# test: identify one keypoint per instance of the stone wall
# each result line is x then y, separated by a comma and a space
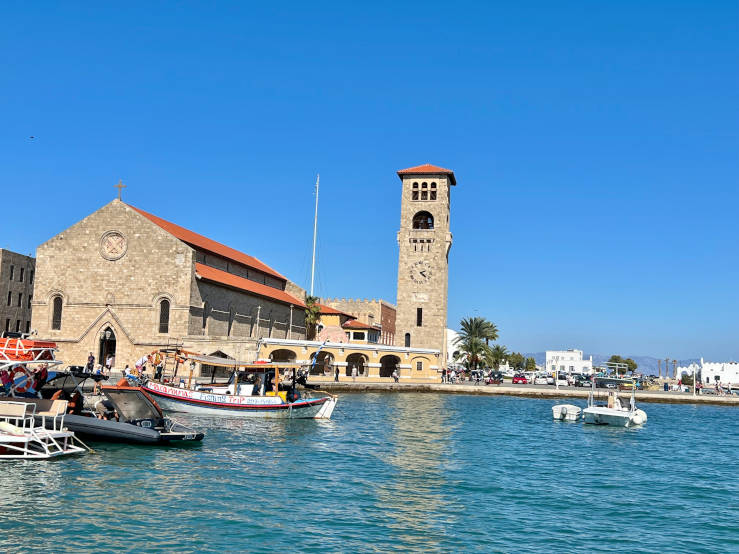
16, 290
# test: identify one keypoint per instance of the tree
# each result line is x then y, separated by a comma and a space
478, 327
498, 354
517, 361
473, 351
312, 315
530, 364
631, 365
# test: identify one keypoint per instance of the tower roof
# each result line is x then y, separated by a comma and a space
428, 169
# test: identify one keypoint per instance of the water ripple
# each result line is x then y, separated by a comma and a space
394, 473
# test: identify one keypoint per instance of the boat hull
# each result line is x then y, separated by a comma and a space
206, 403
607, 416
114, 431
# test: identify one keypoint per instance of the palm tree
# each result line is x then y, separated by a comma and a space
498, 354
478, 327
312, 315
474, 351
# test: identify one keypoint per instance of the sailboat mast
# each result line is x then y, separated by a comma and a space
315, 234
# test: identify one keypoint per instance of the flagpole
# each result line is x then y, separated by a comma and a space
315, 234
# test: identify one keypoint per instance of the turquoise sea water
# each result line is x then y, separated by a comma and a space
395, 472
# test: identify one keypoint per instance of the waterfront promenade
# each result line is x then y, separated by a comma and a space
529, 391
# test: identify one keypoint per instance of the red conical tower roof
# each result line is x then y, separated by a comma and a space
428, 169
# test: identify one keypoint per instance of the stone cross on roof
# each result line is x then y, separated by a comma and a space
120, 186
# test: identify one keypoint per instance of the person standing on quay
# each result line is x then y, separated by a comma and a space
395, 375
336, 375
354, 373
90, 363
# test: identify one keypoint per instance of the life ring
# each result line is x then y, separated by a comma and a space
23, 387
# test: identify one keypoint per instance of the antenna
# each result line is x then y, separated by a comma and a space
315, 234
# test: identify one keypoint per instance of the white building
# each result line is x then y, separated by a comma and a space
568, 361
451, 348
710, 373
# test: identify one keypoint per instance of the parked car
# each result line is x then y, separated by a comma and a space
550, 379
540, 379
494, 378
562, 380
520, 379
582, 381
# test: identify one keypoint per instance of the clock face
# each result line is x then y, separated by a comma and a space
421, 272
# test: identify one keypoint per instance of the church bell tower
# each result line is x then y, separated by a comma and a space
424, 241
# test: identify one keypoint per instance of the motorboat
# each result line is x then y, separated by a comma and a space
125, 414
566, 412
615, 411
253, 390
22, 438
119, 413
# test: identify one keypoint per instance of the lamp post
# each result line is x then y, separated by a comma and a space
556, 372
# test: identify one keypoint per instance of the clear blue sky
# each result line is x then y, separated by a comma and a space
595, 146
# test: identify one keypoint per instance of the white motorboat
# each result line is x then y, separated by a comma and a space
615, 412
20, 438
566, 412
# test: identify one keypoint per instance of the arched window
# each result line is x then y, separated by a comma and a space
424, 195
407, 340
56, 313
423, 220
164, 316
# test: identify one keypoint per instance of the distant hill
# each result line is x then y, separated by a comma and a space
647, 364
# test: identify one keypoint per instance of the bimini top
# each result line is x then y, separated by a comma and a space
428, 169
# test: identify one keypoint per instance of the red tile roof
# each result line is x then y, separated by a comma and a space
214, 275
428, 169
203, 243
354, 324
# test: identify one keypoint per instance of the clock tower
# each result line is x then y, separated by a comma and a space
424, 241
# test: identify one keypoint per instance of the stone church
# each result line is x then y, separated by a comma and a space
125, 282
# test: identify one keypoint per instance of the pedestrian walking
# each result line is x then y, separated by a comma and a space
90, 363
336, 375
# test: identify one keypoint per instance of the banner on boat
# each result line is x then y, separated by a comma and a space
199, 396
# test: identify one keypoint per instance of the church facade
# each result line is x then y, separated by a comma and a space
125, 282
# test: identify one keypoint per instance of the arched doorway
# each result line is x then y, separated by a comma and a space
324, 363
283, 355
356, 360
388, 364
106, 345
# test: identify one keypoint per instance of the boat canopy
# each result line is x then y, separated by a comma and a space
251, 367
132, 403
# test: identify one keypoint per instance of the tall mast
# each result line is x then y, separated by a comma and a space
315, 233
